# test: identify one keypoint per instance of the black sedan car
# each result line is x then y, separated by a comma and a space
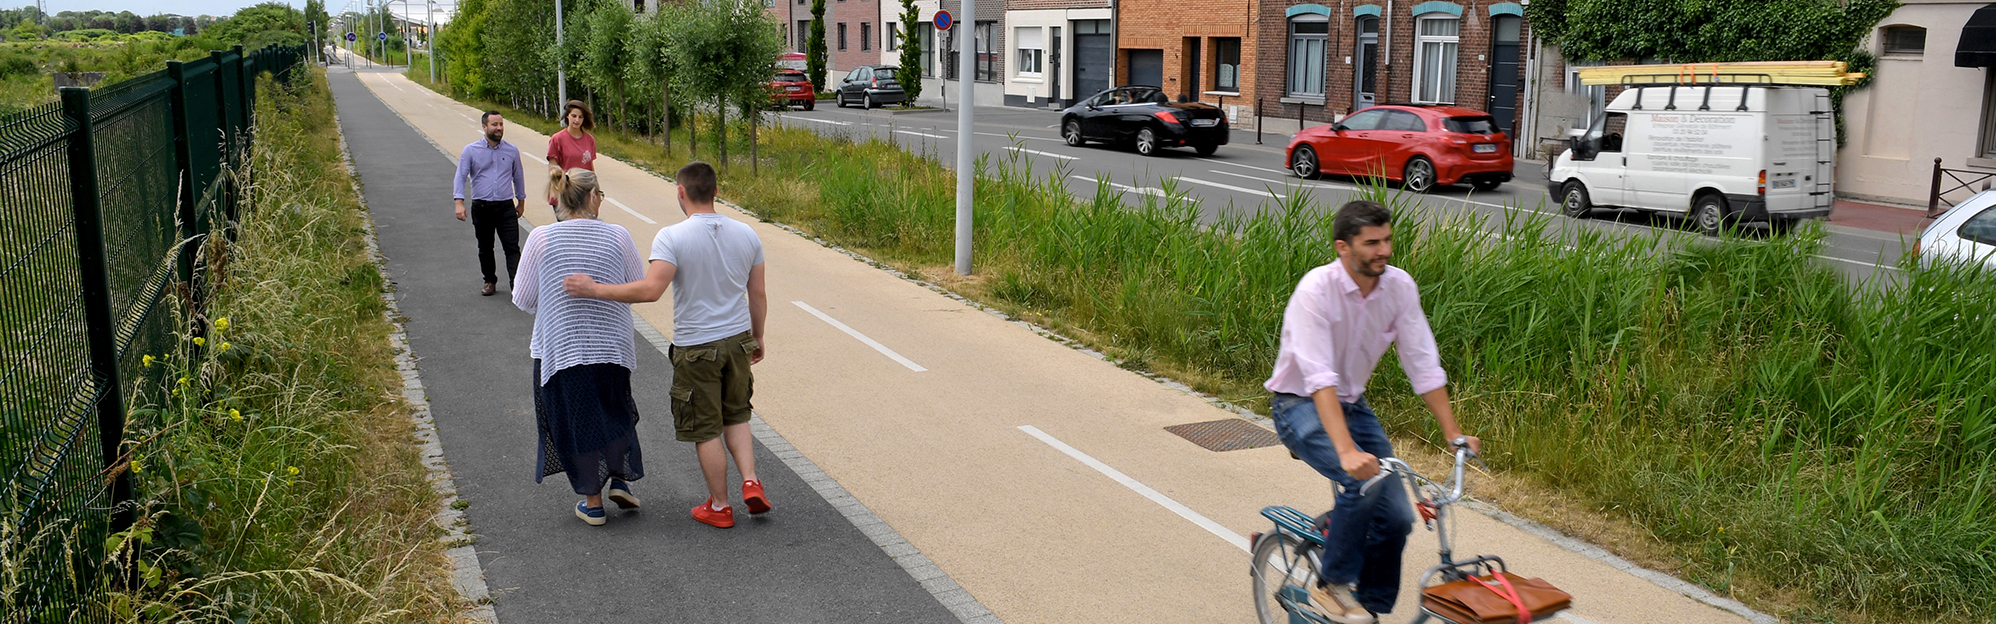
870, 86
1145, 117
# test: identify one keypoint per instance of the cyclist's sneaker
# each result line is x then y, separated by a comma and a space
718, 518
620, 493
1335, 603
753, 497
591, 515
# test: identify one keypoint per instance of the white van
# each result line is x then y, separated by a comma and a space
1720, 154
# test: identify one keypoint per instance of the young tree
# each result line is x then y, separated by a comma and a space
726, 50
814, 46
607, 34
463, 50
910, 72
651, 68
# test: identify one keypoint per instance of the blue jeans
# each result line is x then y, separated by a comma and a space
1367, 533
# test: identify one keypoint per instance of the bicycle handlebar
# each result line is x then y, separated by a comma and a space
1389, 466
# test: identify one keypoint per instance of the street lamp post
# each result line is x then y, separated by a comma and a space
560, 61
966, 174
430, 42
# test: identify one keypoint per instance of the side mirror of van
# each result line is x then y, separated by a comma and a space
1576, 133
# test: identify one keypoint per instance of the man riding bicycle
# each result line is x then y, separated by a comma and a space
1340, 320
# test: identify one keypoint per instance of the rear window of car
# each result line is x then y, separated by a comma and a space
1980, 228
790, 77
1471, 125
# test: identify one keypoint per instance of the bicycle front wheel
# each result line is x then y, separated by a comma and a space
1285, 568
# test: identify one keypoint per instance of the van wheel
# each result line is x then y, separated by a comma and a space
1574, 201
1419, 177
1710, 214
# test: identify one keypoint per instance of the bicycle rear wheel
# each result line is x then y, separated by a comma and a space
1284, 569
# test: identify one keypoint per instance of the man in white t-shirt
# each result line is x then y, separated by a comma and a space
714, 266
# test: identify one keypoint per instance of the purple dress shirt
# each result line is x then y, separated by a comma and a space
492, 170
1332, 336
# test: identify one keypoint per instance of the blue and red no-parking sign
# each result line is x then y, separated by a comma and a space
943, 20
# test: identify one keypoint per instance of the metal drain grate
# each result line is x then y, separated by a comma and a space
1226, 434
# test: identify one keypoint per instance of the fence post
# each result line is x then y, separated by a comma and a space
1934, 192
184, 161
95, 280
246, 69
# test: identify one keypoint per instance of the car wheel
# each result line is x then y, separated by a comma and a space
839, 98
1574, 201
1709, 214
810, 104
866, 101
1419, 176
1206, 149
1072, 132
1304, 162
1147, 142
1486, 185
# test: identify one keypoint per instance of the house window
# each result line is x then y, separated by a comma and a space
1434, 60
842, 35
1986, 147
1904, 40
803, 34
987, 60
893, 36
1308, 33
925, 34
1031, 51
1227, 63
866, 35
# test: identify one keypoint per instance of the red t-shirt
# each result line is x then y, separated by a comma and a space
570, 152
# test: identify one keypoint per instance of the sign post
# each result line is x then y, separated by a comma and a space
966, 174
943, 21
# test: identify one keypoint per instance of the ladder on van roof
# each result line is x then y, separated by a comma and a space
1712, 81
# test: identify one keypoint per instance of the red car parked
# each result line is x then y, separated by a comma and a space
791, 88
1418, 146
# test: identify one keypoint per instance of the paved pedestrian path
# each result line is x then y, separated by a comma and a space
802, 563
1036, 477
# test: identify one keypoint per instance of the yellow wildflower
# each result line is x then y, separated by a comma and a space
138, 465
291, 470
222, 324
148, 361
223, 347
198, 341
235, 415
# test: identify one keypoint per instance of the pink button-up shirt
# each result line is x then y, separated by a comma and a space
1332, 336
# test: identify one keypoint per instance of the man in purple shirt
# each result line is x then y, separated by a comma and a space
1340, 320
498, 196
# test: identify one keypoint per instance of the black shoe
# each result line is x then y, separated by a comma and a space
487, 291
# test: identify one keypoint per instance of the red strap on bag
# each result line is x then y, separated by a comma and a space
1508, 593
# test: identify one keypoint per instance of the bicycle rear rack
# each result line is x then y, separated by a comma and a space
1294, 522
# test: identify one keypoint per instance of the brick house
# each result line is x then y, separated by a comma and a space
1196, 51
1060, 50
1320, 62
853, 33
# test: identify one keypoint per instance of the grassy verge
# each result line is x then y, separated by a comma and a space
1732, 412
279, 478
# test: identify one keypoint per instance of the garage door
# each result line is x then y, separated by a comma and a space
1094, 63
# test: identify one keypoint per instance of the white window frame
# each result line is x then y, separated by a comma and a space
1443, 42
1292, 65
1029, 65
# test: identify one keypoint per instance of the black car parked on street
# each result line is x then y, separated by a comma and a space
870, 86
1145, 117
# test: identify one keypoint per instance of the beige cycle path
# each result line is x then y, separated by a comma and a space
941, 453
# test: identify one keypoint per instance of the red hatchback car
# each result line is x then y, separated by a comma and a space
1419, 146
791, 88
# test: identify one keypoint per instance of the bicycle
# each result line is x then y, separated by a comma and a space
1286, 560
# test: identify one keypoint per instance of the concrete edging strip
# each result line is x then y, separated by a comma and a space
925, 572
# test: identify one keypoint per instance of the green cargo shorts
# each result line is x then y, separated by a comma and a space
711, 386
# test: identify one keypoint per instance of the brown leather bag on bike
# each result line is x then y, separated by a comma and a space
1495, 600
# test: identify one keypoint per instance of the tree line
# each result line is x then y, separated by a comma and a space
642, 73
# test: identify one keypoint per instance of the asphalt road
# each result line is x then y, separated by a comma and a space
1246, 178
804, 562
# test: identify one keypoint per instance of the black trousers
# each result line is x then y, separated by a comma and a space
500, 218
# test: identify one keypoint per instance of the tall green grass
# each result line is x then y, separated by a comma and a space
277, 472
1807, 443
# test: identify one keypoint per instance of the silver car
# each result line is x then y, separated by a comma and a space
1965, 233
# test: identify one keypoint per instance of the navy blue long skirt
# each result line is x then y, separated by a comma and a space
588, 426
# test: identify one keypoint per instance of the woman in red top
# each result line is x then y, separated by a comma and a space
573, 147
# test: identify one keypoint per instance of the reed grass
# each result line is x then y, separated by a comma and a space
1819, 447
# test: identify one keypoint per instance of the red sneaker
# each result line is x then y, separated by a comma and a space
752, 496
720, 519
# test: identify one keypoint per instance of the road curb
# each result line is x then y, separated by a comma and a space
467, 576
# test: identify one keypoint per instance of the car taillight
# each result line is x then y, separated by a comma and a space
1167, 116
1763, 183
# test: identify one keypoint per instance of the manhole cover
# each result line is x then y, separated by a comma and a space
1226, 434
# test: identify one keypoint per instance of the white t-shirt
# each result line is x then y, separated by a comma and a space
713, 254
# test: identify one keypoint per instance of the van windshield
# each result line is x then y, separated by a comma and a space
1472, 125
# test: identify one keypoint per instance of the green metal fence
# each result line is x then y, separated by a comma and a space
108, 195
